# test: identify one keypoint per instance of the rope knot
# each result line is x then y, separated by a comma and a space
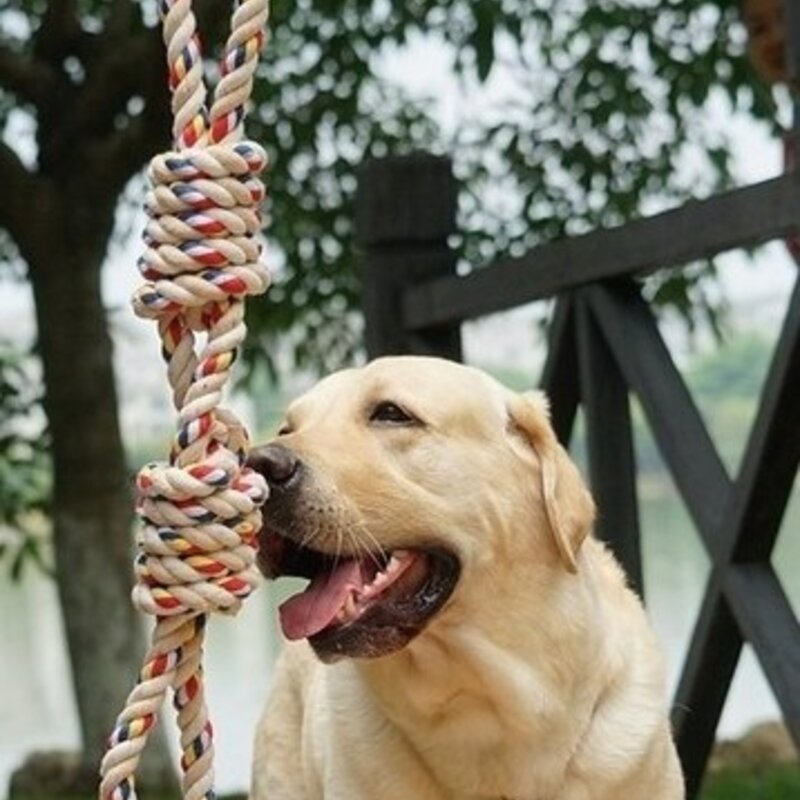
203, 209
198, 542
201, 508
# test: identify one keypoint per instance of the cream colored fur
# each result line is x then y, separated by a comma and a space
539, 680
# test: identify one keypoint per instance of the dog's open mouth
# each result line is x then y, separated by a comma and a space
365, 605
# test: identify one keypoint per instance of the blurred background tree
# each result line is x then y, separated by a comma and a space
609, 106
24, 465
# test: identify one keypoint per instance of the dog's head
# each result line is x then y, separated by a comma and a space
393, 485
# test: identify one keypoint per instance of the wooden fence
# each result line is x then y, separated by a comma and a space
605, 346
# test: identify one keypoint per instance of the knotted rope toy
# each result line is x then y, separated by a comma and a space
200, 511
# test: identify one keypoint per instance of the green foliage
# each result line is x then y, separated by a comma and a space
608, 109
24, 466
692, 295
322, 111
725, 383
735, 370
775, 782
615, 101
606, 120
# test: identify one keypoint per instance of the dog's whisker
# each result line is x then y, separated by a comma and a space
309, 536
339, 550
354, 545
376, 553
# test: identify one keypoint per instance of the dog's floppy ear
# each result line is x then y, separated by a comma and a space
568, 506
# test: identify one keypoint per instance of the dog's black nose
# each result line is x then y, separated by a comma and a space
277, 464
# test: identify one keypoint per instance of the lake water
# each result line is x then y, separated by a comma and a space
37, 710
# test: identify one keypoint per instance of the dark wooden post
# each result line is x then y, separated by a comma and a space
405, 214
560, 373
793, 62
609, 439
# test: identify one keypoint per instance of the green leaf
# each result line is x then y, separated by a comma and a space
604, 112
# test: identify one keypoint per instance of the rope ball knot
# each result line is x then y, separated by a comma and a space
203, 216
201, 509
197, 545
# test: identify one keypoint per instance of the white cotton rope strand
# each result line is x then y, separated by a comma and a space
201, 510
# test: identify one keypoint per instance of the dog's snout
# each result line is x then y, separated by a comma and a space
279, 466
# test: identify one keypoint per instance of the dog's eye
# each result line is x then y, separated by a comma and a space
284, 429
391, 414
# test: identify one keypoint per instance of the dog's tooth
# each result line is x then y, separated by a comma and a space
380, 577
397, 562
394, 564
372, 589
350, 609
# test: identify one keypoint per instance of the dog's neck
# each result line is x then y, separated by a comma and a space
474, 690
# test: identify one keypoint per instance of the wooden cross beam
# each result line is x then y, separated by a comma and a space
738, 521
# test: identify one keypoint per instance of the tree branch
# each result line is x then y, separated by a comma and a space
212, 25
132, 62
119, 70
127, 61
58, 31
140, 71
120, 18
121, 156
18, 195
115, 77
24, 77
119, 73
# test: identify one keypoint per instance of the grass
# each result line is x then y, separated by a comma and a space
776, 782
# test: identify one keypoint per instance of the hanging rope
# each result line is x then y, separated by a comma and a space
200, 511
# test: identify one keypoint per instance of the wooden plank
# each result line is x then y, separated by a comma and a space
765, 616
792, 12
704, 683
740, 218
749, 515
769, 466
609, 438
560, 374
385, 272
699, 475
753, 599
406, 199
405, 214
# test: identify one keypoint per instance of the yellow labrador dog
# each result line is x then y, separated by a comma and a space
463, 635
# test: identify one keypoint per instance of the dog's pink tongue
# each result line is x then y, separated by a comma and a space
310, 611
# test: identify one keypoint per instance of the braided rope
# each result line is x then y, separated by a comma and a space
200, 511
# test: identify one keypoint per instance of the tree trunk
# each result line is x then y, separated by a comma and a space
92, 498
